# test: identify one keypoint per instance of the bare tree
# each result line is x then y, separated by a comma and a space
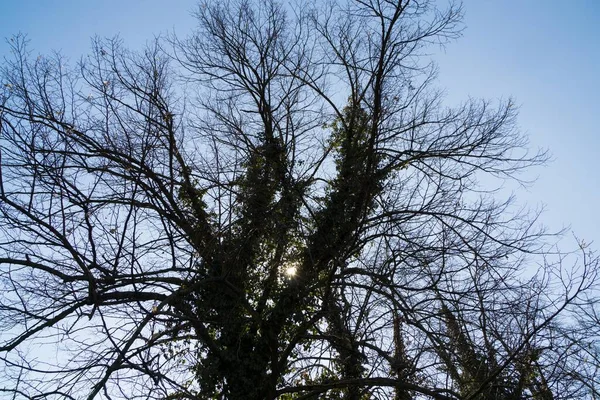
279, 206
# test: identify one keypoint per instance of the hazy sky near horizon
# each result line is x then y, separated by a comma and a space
544, 54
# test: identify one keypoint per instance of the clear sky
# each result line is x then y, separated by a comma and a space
543, 53
546, 55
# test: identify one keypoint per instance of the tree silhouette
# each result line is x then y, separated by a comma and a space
278, 206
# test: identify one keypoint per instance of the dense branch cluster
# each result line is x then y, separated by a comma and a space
278, 206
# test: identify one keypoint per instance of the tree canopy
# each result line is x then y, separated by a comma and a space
279, 206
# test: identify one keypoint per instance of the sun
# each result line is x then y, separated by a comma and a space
290, 271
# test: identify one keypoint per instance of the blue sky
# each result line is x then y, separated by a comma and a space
544, 54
